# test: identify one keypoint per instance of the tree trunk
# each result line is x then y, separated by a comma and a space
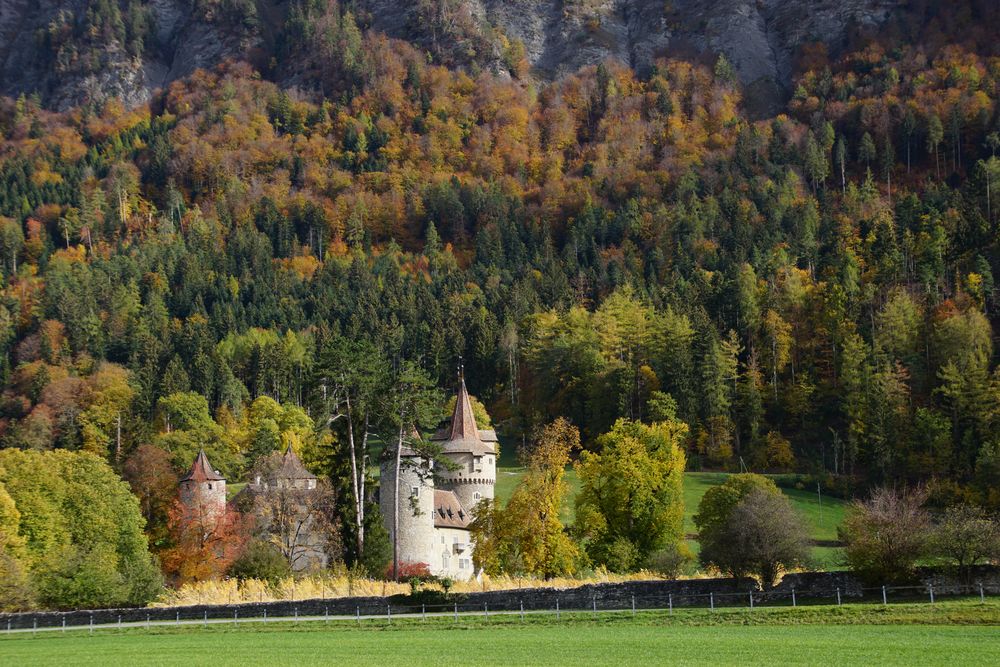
355, 486
395, 505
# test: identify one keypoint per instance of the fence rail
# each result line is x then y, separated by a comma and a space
510, 604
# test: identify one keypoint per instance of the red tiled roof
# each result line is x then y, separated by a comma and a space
448, 511
202, 470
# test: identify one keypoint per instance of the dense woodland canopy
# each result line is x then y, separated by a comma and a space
812, 292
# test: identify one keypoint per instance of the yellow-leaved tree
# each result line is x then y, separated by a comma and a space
526, 536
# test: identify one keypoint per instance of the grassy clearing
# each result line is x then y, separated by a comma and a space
948, 633
822, 516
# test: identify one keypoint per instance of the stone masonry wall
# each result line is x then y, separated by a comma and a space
647, 595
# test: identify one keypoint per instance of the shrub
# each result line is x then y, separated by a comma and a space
965, 536
671, 562
886, 535
408, 571
261, 560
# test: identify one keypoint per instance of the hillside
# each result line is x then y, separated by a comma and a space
814, 291
299, 244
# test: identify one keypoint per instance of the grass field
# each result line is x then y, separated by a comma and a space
953, 633
822, 517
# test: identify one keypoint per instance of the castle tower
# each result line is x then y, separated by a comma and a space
292, 474
203, 490
416, 505
473, 450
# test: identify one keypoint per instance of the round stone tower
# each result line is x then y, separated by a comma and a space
203, 490
473, 451
416, 506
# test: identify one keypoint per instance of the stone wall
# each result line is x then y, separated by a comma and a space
811, 586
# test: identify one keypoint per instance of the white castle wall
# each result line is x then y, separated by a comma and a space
472, 481
416, 516
452, 554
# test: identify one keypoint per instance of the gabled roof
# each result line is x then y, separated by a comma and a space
202, 470
462, 435
448, 511
292, 468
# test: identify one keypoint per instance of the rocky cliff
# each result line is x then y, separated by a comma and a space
759, 37
68, 51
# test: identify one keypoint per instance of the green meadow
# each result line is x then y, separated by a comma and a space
953, 633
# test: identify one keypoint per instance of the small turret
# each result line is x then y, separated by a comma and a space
203, 490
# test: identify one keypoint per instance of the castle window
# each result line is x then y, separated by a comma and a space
476, 496
414, 491
209, 486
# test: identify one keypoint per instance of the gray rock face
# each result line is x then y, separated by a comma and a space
180, 41
758, 36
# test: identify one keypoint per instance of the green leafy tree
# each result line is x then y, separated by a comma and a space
350, 377
84, 544
631, 502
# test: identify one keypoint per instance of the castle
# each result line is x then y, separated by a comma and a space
436, 500
288, 504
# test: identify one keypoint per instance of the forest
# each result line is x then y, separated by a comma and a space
810, 293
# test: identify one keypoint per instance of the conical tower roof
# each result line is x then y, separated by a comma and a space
463, 434
202, 470
292, 468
